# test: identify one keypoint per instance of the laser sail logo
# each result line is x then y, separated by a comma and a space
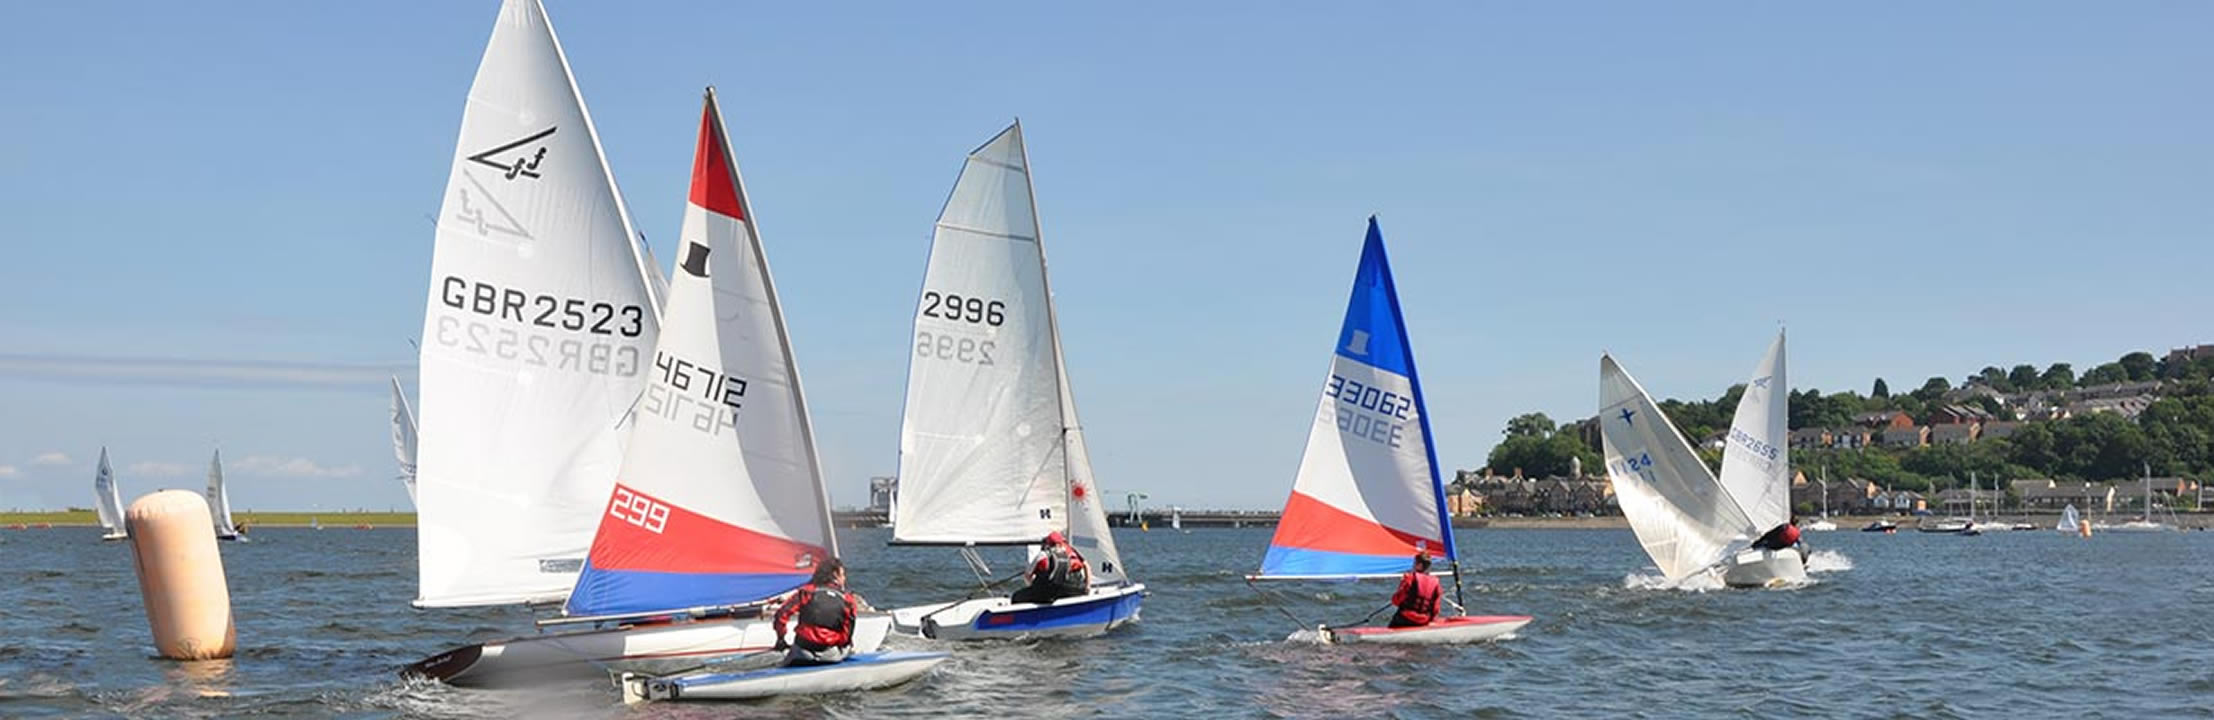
528, 153
490, 215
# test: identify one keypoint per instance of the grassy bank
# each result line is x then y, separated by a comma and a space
64, 518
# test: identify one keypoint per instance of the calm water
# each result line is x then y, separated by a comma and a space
2019, 624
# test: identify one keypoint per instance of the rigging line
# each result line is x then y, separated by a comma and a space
1265, 597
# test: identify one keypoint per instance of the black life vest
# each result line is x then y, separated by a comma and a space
1064, 575
825, 608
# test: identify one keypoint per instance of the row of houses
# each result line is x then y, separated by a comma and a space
1474, 493
2123, 398
1854, 496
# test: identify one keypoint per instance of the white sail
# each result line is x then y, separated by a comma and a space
1756, 460
538, 335
721, 498
983, 445
1088, 529
403, 438
2069, 519
107, 500
1682, 516
219, 500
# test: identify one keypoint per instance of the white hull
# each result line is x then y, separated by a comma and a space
1821, 526
1765, 568
1101, 610
650, 649
861, 672
2135, 526
116, 536
1446, 631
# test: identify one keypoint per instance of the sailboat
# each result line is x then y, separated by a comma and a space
719, 506
991, 452
1688, 520
219, 502
2071, 521
1368, 496
403, 437
2144, 523
538, 333
1824, 524
108, 501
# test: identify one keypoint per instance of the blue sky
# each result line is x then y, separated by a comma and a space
1917, 190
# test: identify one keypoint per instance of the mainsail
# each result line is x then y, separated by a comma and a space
720, 500
2069, 519
106, 499
991, 450
1368, 495
403, 438
538, 335
219, 500
1681, 514
1756, 459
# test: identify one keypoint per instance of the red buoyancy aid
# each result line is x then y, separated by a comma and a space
1061, 567
1417, 598
825, 617
1790, 535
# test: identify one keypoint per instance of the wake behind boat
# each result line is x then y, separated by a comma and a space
991, 451
1368, 495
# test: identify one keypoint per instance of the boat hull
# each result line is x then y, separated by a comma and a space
112, 537
649, 649
867, 671
1097, 612
1446, 631
1765, 568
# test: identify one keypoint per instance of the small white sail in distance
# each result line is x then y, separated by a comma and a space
1756, 457
403, 437
107, 499
219, 499
1680, 513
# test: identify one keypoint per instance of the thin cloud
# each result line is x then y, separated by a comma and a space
9, 471
180, 372
159, 469
289, 467
52, 458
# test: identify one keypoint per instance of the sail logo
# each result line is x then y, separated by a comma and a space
1358, 343
638, 509
522, 164
483, 212
1762, 381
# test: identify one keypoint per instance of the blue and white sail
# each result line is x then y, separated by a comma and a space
1368, 495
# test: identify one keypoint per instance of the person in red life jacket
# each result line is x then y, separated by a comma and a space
1058, 573
1780, 537
1417, 596
825, 611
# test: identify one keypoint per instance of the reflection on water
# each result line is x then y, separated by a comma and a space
2011, 624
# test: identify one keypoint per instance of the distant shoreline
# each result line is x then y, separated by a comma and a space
250, 519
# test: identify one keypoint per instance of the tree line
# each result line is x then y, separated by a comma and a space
2173, 436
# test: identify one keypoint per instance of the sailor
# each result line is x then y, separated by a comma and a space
1058, 573
1781, 537
1417, 596
825, 611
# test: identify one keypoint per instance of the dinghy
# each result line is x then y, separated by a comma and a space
1368, 495
2070, 520
720, 506
403, 438
861, 672
991, 452
108, 501
1688, 520
219, 502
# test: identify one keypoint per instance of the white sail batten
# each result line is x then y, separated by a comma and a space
219, 499
403, 438
983, 448
1681, 514
107, 499
537, 337
1756, 458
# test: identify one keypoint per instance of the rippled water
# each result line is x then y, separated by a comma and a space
2013, 624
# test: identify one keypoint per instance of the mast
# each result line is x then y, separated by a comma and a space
1053, 330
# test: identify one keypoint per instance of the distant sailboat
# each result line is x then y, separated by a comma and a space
2071, 521
219, 501
403, 438
108, 501
991, 452
2145, 522
1824, 523
1368, 496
